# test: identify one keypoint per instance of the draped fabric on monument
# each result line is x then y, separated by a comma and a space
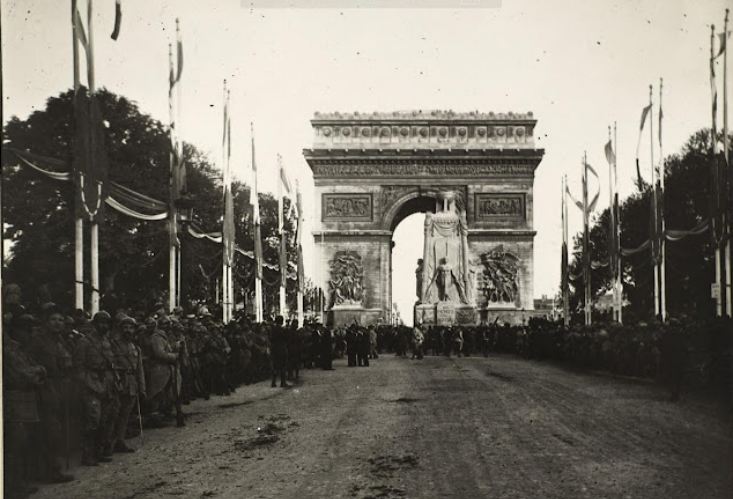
446, 259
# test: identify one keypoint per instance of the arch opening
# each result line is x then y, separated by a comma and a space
408, 238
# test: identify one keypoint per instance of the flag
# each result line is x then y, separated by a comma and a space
178, 165
90, 158
610, 155
577, 203
81, 35
228, 228
644, 114
179, 51
722, 43
661, 115
284, 179
592, 205
256, 215
118, 19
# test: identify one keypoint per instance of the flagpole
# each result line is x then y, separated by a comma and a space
226, 299
257, 237
660, 212
728, 277
612, 231
94, 224
173, 222
299, 235
619, 282
280, 226
78, 219
715, 189
179, 156
565, 287
653, 232
586, 246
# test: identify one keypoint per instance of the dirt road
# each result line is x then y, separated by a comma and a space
497, 427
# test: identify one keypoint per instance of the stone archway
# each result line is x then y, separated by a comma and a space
371, 171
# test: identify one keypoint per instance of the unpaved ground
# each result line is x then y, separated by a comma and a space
439, 428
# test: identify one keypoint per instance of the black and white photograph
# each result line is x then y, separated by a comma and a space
366, 249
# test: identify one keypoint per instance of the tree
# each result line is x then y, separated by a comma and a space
39, 212
689, 261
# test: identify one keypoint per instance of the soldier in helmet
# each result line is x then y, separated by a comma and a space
129, 366
50, 349
164, 378
97, 386
279, 352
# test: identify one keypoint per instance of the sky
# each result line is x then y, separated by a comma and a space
579, 66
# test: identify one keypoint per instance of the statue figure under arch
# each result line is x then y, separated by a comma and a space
446, 271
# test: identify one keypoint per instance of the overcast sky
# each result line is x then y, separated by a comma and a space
578, 65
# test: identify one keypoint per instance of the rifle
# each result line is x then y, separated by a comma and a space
176, 398
66, 424
140, 422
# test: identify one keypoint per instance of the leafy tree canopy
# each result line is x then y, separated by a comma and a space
39, 214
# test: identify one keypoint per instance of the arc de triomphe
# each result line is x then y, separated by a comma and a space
373, 170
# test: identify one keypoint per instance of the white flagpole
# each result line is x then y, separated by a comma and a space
714, 146
259, 315
618, 285
654, 203
94, 224
612, 217
662, 239
565, 289
173, 228
78, 220
280, 226
586, 247
225, 232
728, 282
300, 267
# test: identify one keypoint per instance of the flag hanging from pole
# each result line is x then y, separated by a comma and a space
256, 214
228, 228
178, 166
612, 230
592, 205
639, 179
118, 19
722, 42
610, 155
90, 156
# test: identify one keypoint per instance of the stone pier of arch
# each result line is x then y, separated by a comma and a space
373, 170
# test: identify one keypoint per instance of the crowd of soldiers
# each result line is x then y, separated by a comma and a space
75, 387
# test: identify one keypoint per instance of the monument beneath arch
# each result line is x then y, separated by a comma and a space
472, 173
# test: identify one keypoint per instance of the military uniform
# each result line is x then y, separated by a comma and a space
21, 377
164, 377
98, 389
129, 367
279, 353
51, 351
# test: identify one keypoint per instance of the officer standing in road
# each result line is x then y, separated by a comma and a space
94, 362
129, 367
279, 352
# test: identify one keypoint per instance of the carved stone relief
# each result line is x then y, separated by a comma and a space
347, 279
347, 207
490, 206
499, 277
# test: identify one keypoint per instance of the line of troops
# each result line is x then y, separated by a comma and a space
73, 385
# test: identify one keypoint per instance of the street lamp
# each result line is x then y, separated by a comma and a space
184, 209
